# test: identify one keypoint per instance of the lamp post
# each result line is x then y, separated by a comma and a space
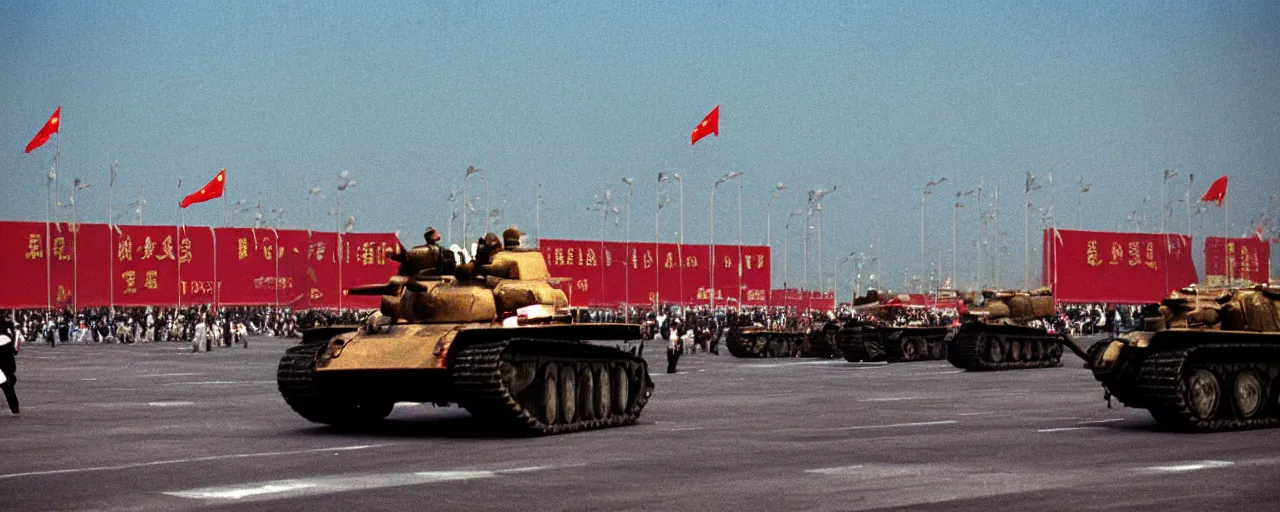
768, 217
712, 266
786, 239
928, 189
344, 182
465, 225
657, 216
315, 191
1026, 231
680, 245
1084, 187
626, 300
815, 205
836, 285
955, 214
75, 244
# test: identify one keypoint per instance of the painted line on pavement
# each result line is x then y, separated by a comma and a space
194, 459
333, 484
187, 374
796, 363
948, 372
897, 425
1189, 466
222, 382
1065, 429
170, 403
1095, 422
833, 471
898, 399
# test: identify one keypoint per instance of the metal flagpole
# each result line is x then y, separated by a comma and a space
740, 243
177, 231
111, 258
1226, 235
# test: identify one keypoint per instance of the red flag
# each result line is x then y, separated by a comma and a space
211, 190
50, 128
709, 125
1217, 191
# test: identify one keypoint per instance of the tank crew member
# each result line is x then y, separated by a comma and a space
511, 238
423, 260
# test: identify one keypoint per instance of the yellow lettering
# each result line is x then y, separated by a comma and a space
150, 282
35, 249
242, 248
130, 280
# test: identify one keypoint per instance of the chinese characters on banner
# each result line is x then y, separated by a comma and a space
1245, 258
602, 274
155, 265
1101, 266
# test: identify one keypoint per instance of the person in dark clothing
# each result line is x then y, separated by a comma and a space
8, 365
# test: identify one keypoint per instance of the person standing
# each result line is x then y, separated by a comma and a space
200, 337
8, 364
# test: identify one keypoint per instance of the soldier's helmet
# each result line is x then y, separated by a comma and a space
511, 237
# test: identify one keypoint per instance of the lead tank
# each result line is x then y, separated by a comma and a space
880, 338
490, 338
1205, 360
1008, 331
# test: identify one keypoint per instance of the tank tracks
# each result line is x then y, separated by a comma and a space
751, 345
1161, 385
984, 350
895, 345
295, 377
535, 387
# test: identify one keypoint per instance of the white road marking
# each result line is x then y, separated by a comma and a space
1190, 466
173, 403
1095, 422
89, 379
410, 404
898, 399
684, 428
195, 459
341, 483
897, 425
797, 363
834, 471
223, 382
1065, 429
188, 374
950, 372
976, 413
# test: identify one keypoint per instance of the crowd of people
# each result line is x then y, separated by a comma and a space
203, 326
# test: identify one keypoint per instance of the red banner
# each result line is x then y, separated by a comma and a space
802, 300
1126, 268
1244, 258
95, 266
611, 273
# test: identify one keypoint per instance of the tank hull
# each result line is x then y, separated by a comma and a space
994, 347
1195, 380
526, 380
893, 344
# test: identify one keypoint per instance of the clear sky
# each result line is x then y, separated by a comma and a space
876, 98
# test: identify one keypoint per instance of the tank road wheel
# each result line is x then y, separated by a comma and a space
1248, 394
910, 349
995, 350
586, 393
937, 350
550, 395
568, 394
1203, 394
604, 392
621, 389
1053, 351
1015, 350
1037, 350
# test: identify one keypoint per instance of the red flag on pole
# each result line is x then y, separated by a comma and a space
211, 190
709, 125
1217, 191
50, 127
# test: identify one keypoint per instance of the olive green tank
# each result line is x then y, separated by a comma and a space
1007, 333
1206, 360
490, 338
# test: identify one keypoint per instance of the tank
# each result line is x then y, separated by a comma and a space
752, 340
1007, 332
876, 338
1205, 360
491, 338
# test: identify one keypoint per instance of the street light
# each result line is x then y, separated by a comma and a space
75, 244
955, 212
712, 266
815, 205
626, 301
836, 285
680, 244
786, 239
928, 189
344, 183
470, 170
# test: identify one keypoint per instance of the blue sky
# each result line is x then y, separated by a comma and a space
877, 98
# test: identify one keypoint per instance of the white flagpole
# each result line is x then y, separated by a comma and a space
177, 231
